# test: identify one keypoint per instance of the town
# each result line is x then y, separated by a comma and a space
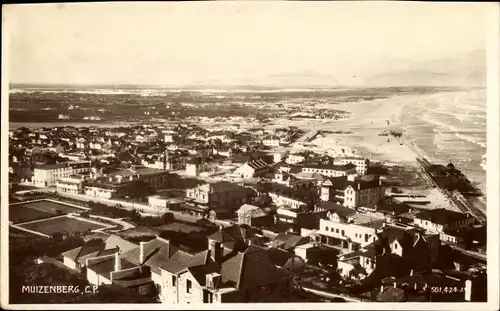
178, 213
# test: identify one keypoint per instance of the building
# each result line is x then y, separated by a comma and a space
330, 170
289, 180
271, 141
251, 169
72, 184
441, 220
253, 216
347, 229
76, 258
151, 176
146, 138
361, 164
47, 175
295, 158
219, 195
396, 250
231, 269
123, 182
163, 203
353, 192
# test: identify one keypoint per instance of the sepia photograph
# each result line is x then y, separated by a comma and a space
270, 154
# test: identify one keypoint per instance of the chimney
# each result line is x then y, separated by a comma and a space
382, 288
215, 250
411, 272
359, 186
395, 284
141, 252
118, 262
249, 242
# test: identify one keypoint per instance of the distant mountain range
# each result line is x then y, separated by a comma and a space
468, 70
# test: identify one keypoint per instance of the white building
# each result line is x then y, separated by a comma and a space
271, 141
251, 169
72, 184
146, 138
353, 192
47, 175
439, 220
295, 158
330, 170
361, 164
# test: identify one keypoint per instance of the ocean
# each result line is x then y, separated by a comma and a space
450, 127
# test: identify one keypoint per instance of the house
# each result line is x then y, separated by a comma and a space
253, 216
47, 175
395, 249
350, 231
330, 170
289, 180
72, 184
288, 241
439, 220
163, 203
295, 158
112, 269
224, 152
297, 219
286, 259
362, 164
353, 192
219, 194
251, 169
288, 197
271, 141
146, 138
229, 270
76, 258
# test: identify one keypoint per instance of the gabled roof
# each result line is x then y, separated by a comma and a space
233, 233
123, 245
84, 250
251, 211
156, 252
181, 260
291, 240
343, 167
441, 216
104, 266
258, 164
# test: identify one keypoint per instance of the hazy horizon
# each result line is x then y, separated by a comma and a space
271, 44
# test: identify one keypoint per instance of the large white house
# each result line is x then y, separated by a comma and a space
353, 192
251, 169
331, 170
361, 164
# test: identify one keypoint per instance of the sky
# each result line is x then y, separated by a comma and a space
233, 42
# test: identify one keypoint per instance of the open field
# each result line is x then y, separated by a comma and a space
61, 225
38, 210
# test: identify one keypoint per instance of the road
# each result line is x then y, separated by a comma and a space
330, 295
144, 209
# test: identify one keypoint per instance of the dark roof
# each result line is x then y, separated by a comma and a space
279, 256
340, 210
392, 233
106, 265
291, 240
156, 252
258, 164
235, 232
251, 268
289, 192
342, 183
343, 167
441, 216
84, 250
181, 260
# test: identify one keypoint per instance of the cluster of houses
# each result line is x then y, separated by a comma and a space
282, 211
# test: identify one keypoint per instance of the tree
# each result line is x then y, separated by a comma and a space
168, 218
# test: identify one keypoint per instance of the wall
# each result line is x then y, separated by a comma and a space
355, 232
69, 263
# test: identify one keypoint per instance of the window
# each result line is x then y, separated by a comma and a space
395, 246
188, 286
326, 228
343, 233
331, 229
174, 280
336, 230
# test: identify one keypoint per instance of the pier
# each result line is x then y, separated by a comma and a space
455, 197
